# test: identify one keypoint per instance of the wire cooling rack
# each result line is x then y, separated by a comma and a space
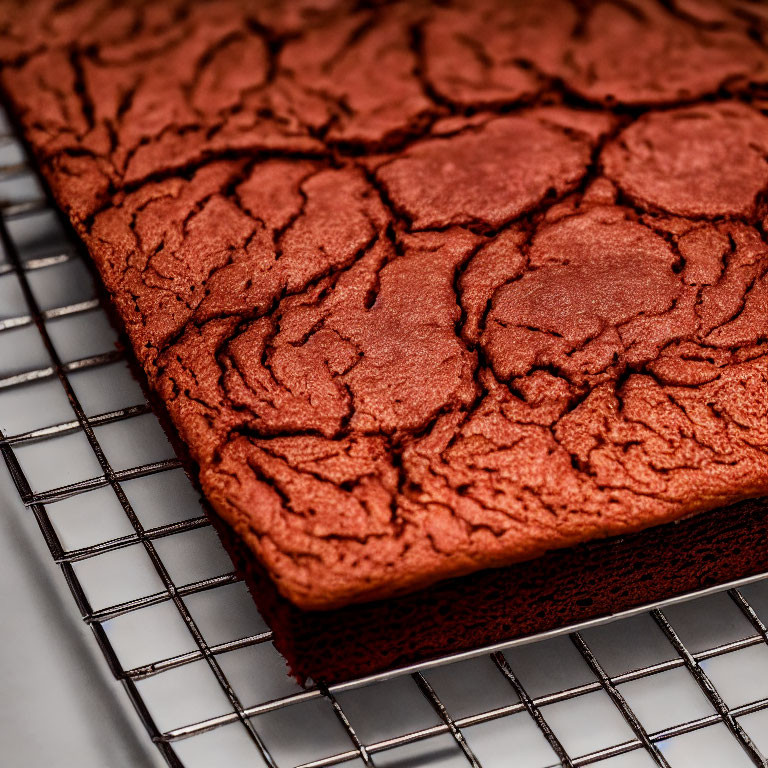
683, 686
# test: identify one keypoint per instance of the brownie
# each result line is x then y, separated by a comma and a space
557, 590
425, 290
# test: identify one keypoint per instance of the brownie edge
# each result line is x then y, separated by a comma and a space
562, 588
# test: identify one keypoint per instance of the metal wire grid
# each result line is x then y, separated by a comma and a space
650, 743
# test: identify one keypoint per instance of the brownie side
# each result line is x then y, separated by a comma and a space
562, 588
418, 306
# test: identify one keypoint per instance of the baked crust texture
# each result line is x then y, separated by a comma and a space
424, 289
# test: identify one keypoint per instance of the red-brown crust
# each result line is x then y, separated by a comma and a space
411, 318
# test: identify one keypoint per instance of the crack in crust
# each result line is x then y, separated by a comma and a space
420, 301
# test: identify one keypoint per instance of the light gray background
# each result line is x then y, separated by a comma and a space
59, 706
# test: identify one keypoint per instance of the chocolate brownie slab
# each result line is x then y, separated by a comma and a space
424, 290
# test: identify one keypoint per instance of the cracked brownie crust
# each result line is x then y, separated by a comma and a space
424, 289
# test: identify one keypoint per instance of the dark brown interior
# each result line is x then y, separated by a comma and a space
561, 588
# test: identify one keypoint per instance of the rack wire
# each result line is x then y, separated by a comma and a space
530, 702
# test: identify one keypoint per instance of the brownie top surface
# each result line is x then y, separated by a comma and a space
424, 289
